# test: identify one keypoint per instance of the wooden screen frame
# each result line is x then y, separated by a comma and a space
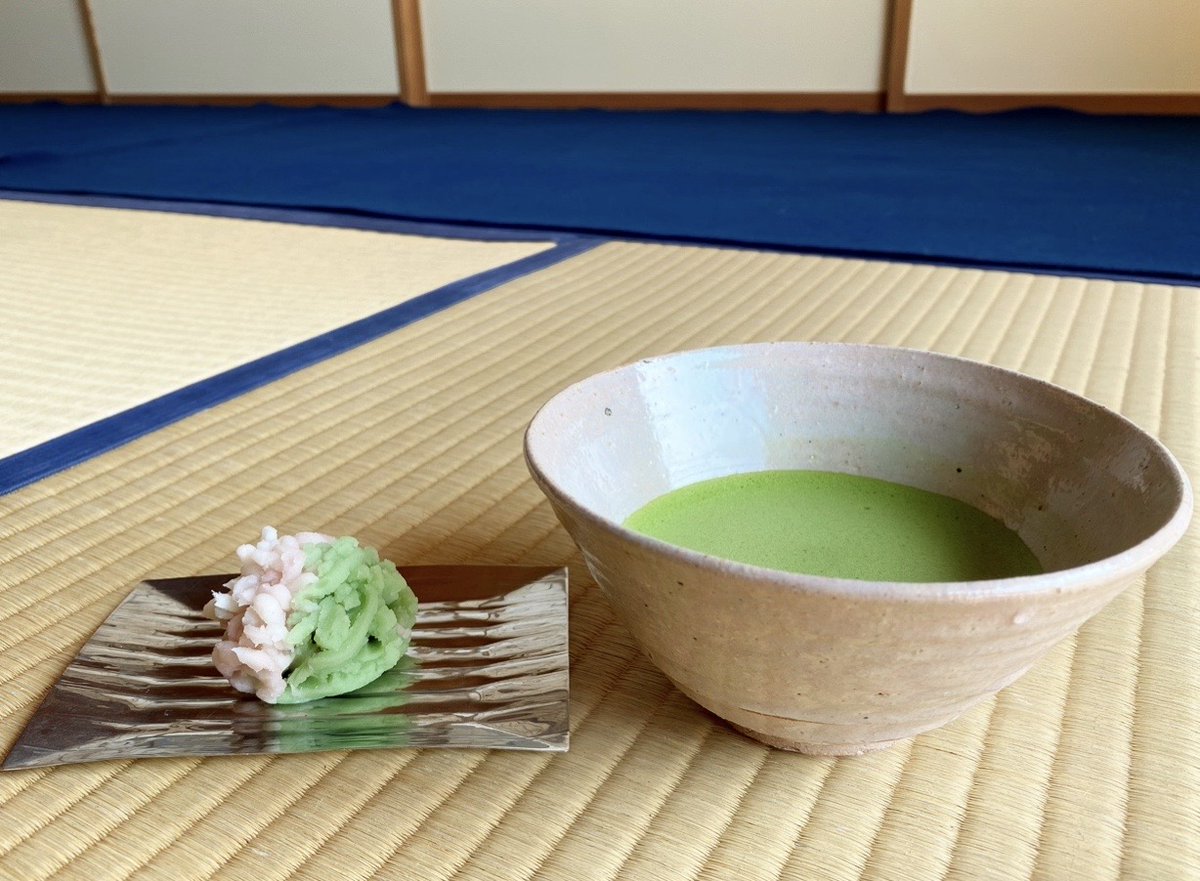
414, 91
93, 44
410, 52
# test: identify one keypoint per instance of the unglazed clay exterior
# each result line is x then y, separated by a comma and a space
840, 667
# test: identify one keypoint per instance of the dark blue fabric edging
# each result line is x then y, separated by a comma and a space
65, 451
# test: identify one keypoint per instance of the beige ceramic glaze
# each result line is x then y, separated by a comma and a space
830, 666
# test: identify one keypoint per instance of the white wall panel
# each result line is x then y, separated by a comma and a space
270, 47
1038, 46
659, 46
43, 47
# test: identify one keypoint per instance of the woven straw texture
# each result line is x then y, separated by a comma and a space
1086, 768
107, 308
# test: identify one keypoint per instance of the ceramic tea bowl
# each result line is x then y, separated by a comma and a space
836, 666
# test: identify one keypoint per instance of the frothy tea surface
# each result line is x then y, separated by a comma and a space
838, 525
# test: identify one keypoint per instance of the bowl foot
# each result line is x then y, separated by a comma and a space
816, 749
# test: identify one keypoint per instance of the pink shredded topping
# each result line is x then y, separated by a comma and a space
255, 652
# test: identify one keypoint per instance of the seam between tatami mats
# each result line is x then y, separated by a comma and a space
347, 361
68, 449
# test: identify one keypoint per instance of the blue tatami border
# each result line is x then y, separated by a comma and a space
89, 441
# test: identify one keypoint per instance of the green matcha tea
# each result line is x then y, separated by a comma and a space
837, 525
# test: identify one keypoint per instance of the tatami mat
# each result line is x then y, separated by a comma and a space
1086, 768
104, 309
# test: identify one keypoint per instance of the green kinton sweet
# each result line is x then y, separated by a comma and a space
350, 627
311, 617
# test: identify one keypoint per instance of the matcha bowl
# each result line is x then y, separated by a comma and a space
834, 666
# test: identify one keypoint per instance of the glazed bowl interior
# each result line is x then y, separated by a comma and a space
1077, 482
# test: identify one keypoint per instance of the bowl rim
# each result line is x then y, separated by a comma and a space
1127, 563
